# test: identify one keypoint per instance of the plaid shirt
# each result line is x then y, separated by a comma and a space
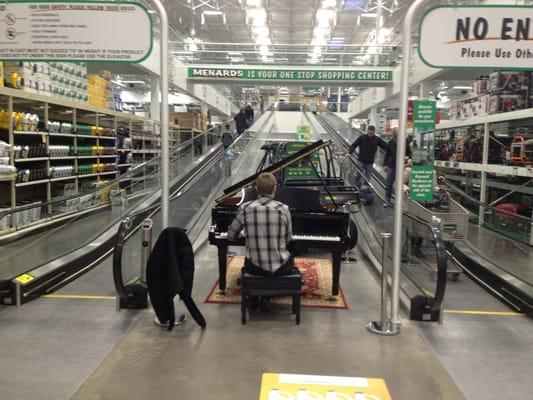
267, 228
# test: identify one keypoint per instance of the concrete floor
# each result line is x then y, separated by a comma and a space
226, 361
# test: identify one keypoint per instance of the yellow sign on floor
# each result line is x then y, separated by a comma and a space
317, 387
24, 278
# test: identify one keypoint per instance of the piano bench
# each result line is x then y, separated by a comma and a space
275, 286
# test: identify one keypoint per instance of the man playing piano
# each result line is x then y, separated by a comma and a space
267, 227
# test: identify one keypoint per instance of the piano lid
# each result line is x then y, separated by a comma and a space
287, 161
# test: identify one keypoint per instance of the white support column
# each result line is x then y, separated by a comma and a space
155, 97
379, 9
483, 188
424, 90
339, 94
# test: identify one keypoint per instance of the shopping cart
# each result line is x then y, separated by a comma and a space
451, 218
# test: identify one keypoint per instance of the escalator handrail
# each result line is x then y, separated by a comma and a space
440, 247
131, 222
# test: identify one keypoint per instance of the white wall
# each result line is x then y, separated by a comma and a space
372, 97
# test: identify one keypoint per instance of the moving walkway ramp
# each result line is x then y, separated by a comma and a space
46, 259
497, 263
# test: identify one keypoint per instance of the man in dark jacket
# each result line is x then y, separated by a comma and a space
390, 164
368, 145
249, 112
240, 121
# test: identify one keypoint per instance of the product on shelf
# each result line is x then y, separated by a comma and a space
33, 174
65, 127
54, 126
20, 121
59, 150
59, 79
522, 150
7, 171
61, 171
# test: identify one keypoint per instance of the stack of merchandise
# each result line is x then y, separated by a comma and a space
32, 151
500, 92
61, 171
62, 190
509, 91
55, 150
21, 121
59, 127
100, 90
6, 171
29, 215
59, 79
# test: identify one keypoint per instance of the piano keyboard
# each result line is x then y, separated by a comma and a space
224, 235
317, 237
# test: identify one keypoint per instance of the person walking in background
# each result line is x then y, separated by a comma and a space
249, 112
227, 136
262, 104
368, 146
390, 164
240, 121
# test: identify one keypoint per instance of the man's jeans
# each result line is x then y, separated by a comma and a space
367, 169
391, 176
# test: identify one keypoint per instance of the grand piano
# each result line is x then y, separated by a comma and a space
315, 225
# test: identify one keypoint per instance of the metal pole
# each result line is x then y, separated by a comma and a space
384, 277
146, 246
384, 327
483, 188
163, 18
400, 155
379, 7
18, 294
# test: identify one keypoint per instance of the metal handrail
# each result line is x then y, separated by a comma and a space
461, 192
440, 247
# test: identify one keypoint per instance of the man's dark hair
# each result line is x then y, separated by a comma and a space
371, 128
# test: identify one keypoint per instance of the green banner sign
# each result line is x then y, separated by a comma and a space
421, 184
263, 74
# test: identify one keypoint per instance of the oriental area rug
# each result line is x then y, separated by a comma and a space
316, 292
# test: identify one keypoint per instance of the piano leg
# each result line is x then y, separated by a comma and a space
222, 261
336, 260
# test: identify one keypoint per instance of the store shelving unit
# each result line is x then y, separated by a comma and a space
46, 187
488, 176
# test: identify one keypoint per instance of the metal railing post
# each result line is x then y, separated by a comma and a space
18, 294
384, 327
146, 246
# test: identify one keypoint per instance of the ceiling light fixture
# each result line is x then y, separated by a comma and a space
463, 87
253, 3
212, 12
369, 15
329, 3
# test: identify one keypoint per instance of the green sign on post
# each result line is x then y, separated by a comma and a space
421, 184
422, 173
304, 132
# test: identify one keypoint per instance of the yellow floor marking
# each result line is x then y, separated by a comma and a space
490, 313
78, 296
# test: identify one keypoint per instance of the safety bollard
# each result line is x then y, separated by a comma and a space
18, 294
146, 246
384, 327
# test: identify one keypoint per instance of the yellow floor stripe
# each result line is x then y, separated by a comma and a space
490, 313
78, 296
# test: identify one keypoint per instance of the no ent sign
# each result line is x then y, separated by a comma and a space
72, 31
485, 36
